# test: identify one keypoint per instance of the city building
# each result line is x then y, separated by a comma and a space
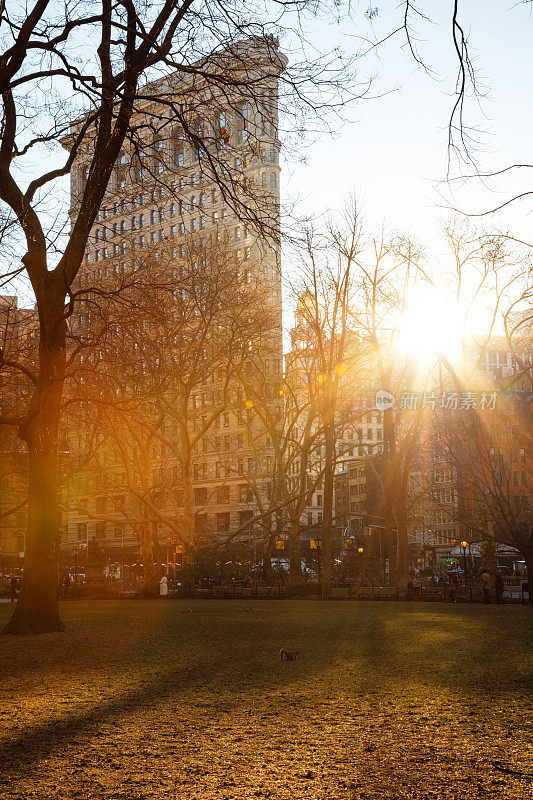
17, 335
165, 212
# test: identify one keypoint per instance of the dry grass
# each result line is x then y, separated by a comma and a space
389, 701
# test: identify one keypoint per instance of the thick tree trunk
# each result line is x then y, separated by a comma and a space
37, 610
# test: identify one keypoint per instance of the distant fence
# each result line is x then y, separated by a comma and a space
253, 592
428, 594
425, 594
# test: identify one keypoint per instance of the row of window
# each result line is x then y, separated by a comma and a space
146, 168
195, 224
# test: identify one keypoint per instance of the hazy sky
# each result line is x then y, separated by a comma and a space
392, 152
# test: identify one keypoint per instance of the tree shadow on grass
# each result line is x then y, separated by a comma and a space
346, 649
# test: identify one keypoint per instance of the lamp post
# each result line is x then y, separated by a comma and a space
168, 541
464, 545
360, 550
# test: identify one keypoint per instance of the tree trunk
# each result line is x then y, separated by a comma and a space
147, 555
388, 478
295, 555
329, 466
489, 559
187, 564
267, 565
37, 610
402, 551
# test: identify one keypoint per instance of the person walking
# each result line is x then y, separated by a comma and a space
452, 588
163, 586
13, 589
498, 587
486, 584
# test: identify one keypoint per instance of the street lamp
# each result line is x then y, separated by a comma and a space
360, 550
464, 545
168, 542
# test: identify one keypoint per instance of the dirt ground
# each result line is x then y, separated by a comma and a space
176, 699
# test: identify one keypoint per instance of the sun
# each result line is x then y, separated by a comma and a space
430, 326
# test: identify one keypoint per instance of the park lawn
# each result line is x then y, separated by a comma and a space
188, 699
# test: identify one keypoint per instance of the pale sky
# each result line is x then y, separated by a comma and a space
392, 152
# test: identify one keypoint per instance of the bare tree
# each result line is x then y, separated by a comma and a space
104, 90
162, 371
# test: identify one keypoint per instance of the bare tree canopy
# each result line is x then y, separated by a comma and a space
116, 82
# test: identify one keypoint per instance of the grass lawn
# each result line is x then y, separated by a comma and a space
188, 699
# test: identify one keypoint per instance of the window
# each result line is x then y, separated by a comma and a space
243, 121
200, 496
223, 495
272, 180
223, 521
245, 518
246, 494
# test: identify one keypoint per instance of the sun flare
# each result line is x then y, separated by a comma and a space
431, 326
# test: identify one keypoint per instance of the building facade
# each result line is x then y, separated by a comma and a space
176, 210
